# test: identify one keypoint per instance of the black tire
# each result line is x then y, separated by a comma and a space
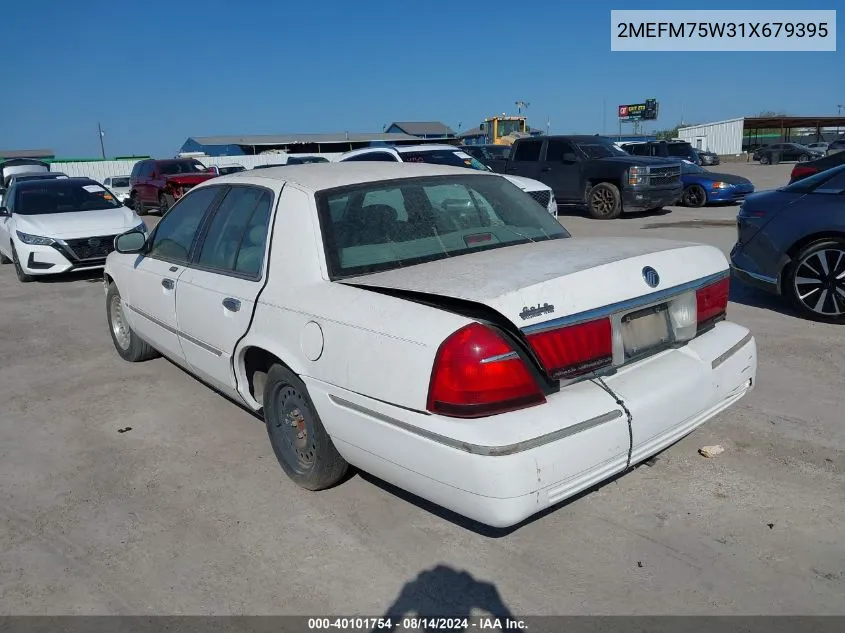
140, 207
165, 201
22, 276
131, 348
604, 201
694, 196
300, 441
803, 158
4, 259
764, 159
818, 299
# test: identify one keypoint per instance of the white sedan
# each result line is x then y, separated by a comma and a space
119, 186
62, 224
448, 155
434, 327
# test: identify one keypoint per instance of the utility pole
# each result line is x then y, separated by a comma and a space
520, 105
101, 134
602, 116
838, 113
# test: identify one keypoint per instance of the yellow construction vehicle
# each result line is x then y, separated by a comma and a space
503, 129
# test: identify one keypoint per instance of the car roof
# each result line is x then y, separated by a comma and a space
53, 182
319, 176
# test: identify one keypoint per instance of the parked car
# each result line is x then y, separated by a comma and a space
821, 146
702, 186
835, 147
452, 156
785, 152
802, 170
591, 171
791, 242
268, 166
471, 353
56, 225
306, 160
659, 149
708, 158
494, 156
119, 186
160, 183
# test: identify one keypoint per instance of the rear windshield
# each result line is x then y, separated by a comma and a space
120, 182
40, 197
182, 167
452, 157
391, 224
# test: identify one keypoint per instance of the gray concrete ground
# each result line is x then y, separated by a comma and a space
188, 512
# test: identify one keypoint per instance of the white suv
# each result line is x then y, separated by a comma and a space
452, 156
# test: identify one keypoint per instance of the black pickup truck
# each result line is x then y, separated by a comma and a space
591, 171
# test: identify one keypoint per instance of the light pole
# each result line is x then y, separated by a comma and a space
839, 114
101, 134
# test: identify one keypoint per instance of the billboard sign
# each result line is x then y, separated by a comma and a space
646, 111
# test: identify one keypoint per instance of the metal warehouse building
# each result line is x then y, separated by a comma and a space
734, 136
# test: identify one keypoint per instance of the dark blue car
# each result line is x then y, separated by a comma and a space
705, 187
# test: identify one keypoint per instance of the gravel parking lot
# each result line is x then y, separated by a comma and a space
135, 489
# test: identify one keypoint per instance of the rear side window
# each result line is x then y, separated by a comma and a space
237, 233
373, 156
556, 149
527, 151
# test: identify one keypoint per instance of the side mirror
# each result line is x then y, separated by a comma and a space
569, 157
131, 242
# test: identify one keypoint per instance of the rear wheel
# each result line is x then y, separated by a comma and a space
301, 444
764, 159
126, 342
815, 281
165, 201
4, 259
140, 207
604, 201
694, 196
22, 276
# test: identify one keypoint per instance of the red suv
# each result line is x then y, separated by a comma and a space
160, 183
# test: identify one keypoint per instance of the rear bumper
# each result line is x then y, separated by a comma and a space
644, 199
743, 269
504, 469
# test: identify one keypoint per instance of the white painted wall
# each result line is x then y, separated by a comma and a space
722, 137
98, 170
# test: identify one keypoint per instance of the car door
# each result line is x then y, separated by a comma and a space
155, 281
217, 293
525, 159
560, 170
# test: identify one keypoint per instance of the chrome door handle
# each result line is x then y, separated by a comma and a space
168, 283
232, 305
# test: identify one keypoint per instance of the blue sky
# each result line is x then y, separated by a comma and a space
159, 72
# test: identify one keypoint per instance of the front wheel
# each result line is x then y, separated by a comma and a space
128, 345
764, 160
165, 201
694, 196
4, 259
22, 276
300, 441
803, 158
815, 282
604, 201
140, 207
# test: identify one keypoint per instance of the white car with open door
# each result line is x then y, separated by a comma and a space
50, 226
451, 156
432, 326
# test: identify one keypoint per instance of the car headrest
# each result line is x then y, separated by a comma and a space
377, 214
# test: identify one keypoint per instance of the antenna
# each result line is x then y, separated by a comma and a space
521, 105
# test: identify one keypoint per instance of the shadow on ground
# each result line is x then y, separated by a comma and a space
446, 592
754, 298
91, 276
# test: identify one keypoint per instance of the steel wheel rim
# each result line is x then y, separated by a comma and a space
294, 429
119, 327
602, 201
819, 282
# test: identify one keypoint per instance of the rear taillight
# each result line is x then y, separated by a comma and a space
570, 351
800, 171
712, 303
476, 373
